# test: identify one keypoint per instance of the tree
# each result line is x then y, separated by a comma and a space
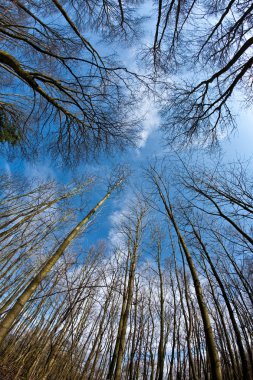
210, 341
132, 230
227, 194
208, 45
58, 91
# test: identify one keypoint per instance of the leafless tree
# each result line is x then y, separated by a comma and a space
57, 90
207, 45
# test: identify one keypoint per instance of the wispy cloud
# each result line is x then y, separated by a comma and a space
150, 123
43, 171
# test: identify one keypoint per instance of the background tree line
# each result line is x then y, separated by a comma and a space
171, 299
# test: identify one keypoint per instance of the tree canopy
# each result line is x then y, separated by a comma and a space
58, 90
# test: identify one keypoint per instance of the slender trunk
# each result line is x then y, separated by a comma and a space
123, 307
128, 304
210, 341
245, 366
161, 353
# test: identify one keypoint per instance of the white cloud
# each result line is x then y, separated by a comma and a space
41, 171
151, 122
115, 219
114, 236
7, 169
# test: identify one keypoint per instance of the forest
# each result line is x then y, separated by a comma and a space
126, 190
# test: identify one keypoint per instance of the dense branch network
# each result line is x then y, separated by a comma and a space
210, 45
57, 86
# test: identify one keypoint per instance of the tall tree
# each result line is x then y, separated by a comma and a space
210, 340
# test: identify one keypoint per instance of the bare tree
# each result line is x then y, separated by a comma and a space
57, 90
209, 44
